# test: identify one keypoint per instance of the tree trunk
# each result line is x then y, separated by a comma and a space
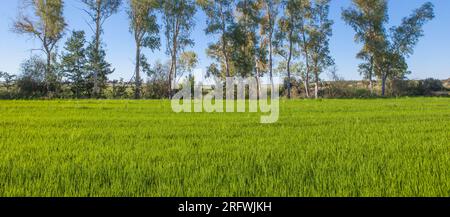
172, 69
305, 50
316, 88
271, 30
271, 62
289, 64
306, 88
258, 84
226, 59
96, 89
383, 84
224, 44
307, 85
370, 76
48, 70
137, 91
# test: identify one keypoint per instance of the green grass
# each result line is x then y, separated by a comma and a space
380, 147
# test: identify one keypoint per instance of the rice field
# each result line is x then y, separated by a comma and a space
376, 147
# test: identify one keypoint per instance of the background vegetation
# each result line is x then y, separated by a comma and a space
258, 38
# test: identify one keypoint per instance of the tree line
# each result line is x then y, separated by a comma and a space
254, 38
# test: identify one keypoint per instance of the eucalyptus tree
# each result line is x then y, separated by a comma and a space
99, 11
288, 36
178, 18
268, 30
46, 24
367, 68
304, 41
401, 42
245, 38
368, 19
320, 31
144, 27
220, 22
385, 52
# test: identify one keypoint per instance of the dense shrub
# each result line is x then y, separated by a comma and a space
430, 85
119, 90
296, 88
156, 89
416, 88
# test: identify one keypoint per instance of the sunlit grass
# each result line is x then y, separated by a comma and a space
382, 147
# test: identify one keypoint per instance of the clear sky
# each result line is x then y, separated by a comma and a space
431, 57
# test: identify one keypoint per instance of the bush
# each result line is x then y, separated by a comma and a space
30, 87
406, 88
156, 89
344, 89
296, 88
119, 90
432, 85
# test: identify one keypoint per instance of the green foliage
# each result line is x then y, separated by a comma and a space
245, 38
378, 147
403, 39
144, 27
119, 89
341, 90
98, 69
46, 25
187, 62
143, 23
431, 84
220, 22
7, 83
268, 31
320, 32
179, 23
8, 79
98, 11
178, 18
31, 82
74, 63
368, 19
157, 82
385, 53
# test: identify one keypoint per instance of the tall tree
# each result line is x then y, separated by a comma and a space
367, 18
220, 22
288, 36
401, 42
246, 38
178, 17
145, 30
47, 25
385, 53
320, 31
269, 27
74, 62
305, 12
99, 11
98, 70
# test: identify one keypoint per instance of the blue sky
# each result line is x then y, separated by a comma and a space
431, 57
